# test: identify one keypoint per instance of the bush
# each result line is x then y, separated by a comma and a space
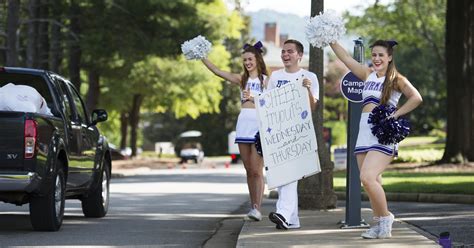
338, 131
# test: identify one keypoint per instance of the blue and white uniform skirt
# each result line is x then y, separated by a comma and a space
366, 141
247, 126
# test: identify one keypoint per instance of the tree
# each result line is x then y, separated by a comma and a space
316, 192
215, 22
12, 27
32, 34
460, 86
73, 46
160, 84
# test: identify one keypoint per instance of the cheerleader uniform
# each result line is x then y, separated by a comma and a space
247, 125
372, 93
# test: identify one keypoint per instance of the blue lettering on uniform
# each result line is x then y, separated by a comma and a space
380, 87
373, 86
253, 86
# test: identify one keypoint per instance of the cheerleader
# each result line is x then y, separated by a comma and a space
383, 85
251, 83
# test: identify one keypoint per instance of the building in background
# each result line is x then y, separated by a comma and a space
272, 44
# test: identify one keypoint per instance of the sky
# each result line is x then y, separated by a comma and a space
302, 7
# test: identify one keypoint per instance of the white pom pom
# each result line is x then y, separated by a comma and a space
196, 48
324, 29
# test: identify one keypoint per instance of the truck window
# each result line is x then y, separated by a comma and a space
65, 99
81, 110
34, 81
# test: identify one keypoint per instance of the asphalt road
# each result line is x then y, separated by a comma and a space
193, 208
178, 208
434, 218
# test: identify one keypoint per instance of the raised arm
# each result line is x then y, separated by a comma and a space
360, 70
231, 77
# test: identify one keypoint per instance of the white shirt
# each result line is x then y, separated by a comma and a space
281, 77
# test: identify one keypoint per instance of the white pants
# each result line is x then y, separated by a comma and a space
287, 204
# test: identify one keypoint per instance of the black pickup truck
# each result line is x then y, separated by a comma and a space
47, 158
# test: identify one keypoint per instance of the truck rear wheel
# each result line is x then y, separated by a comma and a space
47, 211
96, 204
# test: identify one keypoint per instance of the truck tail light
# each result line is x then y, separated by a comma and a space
30, 138
233, 156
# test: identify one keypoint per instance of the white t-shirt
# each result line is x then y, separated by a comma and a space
281, 77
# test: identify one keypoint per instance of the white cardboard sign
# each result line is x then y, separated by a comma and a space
287, 135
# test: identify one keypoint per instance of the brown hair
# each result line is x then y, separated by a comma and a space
392, 75
299, 46
261, 67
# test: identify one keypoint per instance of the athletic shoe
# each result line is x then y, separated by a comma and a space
386, 226
290, 226
373, 231
278, 219
254, 214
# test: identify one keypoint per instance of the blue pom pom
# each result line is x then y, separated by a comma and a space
388, 130
258, 144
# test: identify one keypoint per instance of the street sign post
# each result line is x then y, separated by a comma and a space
351, 89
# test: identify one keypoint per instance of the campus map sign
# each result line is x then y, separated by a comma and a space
287, 135
351, 87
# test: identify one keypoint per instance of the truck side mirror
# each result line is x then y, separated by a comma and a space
98, 115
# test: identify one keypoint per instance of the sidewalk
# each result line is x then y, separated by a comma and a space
320, 229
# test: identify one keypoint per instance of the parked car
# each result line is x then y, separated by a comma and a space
188, 147
48, 157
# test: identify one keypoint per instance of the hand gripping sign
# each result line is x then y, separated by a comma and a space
287, 135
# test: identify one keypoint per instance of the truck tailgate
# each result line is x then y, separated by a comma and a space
11, 140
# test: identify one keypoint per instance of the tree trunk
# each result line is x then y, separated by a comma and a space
74, 65
43, 41
13, 17
94, 90
316, 192
32, 33
134, 117
460, 76
123, 129
56, 51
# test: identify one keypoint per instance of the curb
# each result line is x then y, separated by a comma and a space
407, 197
419, 197
117, 175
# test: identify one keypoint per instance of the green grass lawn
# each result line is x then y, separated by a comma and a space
420, 150
403, 182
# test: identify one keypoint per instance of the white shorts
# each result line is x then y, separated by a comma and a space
247, 126
366, 141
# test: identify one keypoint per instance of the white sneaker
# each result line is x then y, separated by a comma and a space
373, 231
386, 226
290, 226
254, 214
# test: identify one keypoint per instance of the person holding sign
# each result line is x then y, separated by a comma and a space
383, 86
286, 215
251, 83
